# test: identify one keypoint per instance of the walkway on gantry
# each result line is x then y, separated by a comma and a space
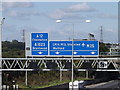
59, 64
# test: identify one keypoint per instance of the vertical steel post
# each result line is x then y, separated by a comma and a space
26, 80
60, 75
26, 72
72, 78
1, 23
0, 55
87, 74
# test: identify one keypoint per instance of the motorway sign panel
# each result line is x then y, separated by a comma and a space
39, 43
80, 48
60, 47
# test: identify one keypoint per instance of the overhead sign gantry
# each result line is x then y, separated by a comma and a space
41, 46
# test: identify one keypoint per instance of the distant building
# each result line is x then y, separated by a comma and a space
115, 49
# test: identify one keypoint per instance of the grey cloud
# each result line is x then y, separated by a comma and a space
24, 15
8, 5
61, 14
69, 12
57, 14
83, 7
101, 16
105, 16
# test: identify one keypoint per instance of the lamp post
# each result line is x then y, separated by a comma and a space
73, 24
1, 23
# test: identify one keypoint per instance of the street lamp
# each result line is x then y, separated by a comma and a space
59, 21
1, 23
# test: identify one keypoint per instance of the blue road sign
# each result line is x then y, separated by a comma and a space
80, 48
39, 43
60, 48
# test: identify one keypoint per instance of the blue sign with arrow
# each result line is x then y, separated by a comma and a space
60, 48
80, 48
39, 43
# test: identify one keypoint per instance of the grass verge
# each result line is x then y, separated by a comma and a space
54, 83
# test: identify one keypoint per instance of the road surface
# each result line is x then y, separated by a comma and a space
111, 85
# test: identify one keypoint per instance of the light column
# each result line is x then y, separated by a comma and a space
1, 23
59, 21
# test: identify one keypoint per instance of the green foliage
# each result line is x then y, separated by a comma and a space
16, 49
45, 79
13, 49
103, 48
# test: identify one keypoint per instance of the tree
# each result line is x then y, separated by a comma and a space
14, 49
103, 48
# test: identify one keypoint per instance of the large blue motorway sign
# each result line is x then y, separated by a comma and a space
79, 48
39, 43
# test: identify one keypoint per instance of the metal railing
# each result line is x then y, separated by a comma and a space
61, 64
110, 53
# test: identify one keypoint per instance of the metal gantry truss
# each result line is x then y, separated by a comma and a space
80, 64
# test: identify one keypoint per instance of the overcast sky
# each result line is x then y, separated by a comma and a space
41, 17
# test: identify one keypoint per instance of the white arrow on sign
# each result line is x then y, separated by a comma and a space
88, 45
92, 52
83, 44
57, 52
74, 52
40, 52
37, 36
